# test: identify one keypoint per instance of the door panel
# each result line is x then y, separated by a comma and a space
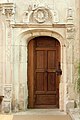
51, 59
40, 56
45, 100
40, 81
45, 87
45, 42
51, 82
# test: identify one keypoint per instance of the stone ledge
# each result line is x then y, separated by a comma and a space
74, 113
32, 25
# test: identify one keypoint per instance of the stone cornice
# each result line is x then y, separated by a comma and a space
6, 4
25, 25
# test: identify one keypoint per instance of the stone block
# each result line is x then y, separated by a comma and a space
6, 106
69, 105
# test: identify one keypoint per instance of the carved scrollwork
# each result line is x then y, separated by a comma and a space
70, 29
38, 14
69, 14
8, 9
41, 15
8, 12
7, 91
7, 106
70, 32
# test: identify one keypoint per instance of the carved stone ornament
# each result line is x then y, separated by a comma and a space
70, 14
8, 9
70, 29
40, 15
7, 91
7, 106
37, 14
70, 33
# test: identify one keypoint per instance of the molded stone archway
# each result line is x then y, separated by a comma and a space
26, 36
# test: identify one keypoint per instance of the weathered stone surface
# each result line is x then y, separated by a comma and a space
22, 21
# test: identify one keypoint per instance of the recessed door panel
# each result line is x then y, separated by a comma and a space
51, 85
40, 81
51, 59
40, 59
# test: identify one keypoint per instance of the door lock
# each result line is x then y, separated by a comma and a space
59, 71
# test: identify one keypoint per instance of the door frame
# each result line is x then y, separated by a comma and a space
25, 36
31, 72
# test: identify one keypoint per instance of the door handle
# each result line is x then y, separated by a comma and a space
59, 71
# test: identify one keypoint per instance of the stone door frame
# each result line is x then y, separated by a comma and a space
26, 36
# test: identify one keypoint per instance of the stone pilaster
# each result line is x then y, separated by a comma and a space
70, 37
8, 11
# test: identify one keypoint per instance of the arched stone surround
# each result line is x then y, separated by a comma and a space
26, 36
15, 33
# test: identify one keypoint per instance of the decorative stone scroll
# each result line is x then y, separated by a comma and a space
38, 15
7, 106
70, 16
7, 91
7, 98
70, 32
41, 15
8, 9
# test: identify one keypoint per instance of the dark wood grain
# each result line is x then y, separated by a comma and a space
43, 82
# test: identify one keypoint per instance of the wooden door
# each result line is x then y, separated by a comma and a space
43, 79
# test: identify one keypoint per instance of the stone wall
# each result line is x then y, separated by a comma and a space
20, 22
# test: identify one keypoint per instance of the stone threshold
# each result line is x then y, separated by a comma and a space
74, 113
39, 112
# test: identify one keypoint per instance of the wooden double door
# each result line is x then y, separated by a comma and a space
43, 72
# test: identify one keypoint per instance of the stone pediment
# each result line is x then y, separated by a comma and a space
39, 15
